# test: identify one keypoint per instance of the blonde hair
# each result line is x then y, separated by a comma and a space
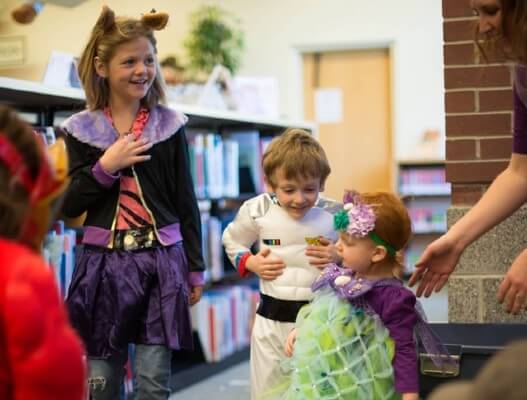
392, 224
514, 21
297, 154
108, 33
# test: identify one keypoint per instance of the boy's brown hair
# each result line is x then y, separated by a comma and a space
108, 33
392, 224
14, 199
298, 154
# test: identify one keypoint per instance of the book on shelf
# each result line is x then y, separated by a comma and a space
249, 159
59, 252
231, 180
223, 319
213, 160
214, 164
423, 180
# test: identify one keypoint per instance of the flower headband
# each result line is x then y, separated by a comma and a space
358, 219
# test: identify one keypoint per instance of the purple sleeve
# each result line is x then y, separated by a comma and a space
196, 278
396, 307
103, 177
519, 143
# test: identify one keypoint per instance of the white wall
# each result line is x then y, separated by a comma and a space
275, 29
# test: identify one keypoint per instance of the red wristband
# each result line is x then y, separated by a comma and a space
241, 265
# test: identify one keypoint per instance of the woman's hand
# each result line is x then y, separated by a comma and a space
123, 153
290, 343
410, 396
436, 264
322, 255
513, 289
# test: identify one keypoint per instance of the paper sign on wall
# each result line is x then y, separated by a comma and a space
328, 106
61, 70
12, 50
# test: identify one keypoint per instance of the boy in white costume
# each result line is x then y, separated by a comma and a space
293, 229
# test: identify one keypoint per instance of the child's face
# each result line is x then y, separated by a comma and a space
296, 196
131, 71
356, 252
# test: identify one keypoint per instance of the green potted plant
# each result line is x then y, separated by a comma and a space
214, 39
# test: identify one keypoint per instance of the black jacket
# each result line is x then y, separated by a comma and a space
165, 180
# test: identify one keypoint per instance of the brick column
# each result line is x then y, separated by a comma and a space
478, 106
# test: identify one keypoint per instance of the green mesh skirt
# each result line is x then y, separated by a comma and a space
340, 353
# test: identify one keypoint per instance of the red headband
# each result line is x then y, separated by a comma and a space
44, 184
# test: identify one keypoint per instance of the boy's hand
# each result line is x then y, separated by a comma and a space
290, 343
195, 294
323, 254
265, 266
410, 396
124, 152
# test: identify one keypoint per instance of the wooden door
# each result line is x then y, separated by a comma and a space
359, 147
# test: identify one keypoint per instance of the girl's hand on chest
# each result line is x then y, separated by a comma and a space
124, 153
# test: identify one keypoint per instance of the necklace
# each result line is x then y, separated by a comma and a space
137, 126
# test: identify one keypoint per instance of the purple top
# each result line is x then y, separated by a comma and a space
395, 305
519, 144
396, 308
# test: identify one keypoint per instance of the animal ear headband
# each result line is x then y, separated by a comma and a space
154, 20
358, 220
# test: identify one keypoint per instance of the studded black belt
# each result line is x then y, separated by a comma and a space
135, 239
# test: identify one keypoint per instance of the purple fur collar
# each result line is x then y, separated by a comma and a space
93, 128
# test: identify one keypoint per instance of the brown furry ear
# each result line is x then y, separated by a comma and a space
24, 14
155, 20
106, 21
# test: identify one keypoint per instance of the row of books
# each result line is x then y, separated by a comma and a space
428, 219
211, 230
228, 164
223, 319
58, 251
423, 181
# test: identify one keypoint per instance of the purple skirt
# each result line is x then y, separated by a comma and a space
118, 297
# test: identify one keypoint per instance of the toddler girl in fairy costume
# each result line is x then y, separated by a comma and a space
355, 340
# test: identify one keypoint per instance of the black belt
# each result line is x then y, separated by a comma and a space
135, 239
279, 310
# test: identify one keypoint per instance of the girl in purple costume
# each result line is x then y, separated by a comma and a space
141, 266
355, 341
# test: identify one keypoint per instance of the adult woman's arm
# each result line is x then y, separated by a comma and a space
504, 196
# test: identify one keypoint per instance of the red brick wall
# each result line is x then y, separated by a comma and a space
478, 107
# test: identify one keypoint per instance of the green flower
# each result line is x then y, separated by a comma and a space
341, 221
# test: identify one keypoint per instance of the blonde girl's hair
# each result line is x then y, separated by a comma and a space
298, 154
514, 22
14, 199
392, 224
108, 33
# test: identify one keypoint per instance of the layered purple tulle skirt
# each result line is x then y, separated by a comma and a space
119, 297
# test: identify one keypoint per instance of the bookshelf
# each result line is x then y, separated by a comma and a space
44, 106
422, 185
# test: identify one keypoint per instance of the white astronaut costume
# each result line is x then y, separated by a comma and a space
261, 220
